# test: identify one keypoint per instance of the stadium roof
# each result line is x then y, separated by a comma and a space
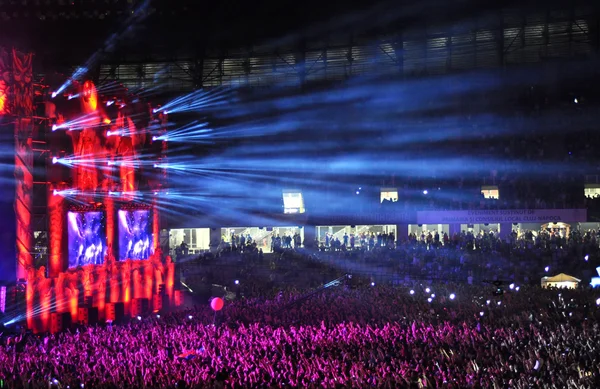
66, 32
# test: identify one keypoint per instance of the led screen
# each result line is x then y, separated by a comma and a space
293, 202
135, 234
87, 238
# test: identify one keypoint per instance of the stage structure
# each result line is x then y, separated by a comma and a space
16, 125
104, 259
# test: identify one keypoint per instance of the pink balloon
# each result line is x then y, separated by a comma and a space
217, 303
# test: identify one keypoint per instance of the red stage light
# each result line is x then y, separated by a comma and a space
90, 97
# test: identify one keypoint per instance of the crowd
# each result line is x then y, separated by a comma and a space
463, 257
350, 335
466, 256
435, 319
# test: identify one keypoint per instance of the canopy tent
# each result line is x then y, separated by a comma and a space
561, 280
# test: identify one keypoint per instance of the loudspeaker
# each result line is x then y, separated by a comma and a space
139, 307
157, 302
87, 316
59, 321
56, 323
178, 298
115, 312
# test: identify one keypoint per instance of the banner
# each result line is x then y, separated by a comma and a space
502, 216
366, 218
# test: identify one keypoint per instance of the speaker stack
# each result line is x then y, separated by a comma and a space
139, 307
115, 312
59, 321
157, 302
178, 298
87, 316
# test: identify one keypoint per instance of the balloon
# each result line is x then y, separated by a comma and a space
216, 303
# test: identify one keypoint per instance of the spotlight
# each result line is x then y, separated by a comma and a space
154, 139
598, 301
487, 302
511, 286
54, 94
190, 317
372, 284
54, 127
425, 192
357, 192
155, 193
586, 257
155, 110
429, 299
427, 290
547, 268
452, 296
109, 103
433, 295
517, 288
499, 302
106, 121
575, 100
139, 318
237, 282
481, 313
54, 160
158, 316
166, 112
412, 291
55, 192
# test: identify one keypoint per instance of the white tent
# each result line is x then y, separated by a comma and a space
561, 280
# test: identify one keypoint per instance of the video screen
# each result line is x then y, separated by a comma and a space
135, 234
87, 238
293, 202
